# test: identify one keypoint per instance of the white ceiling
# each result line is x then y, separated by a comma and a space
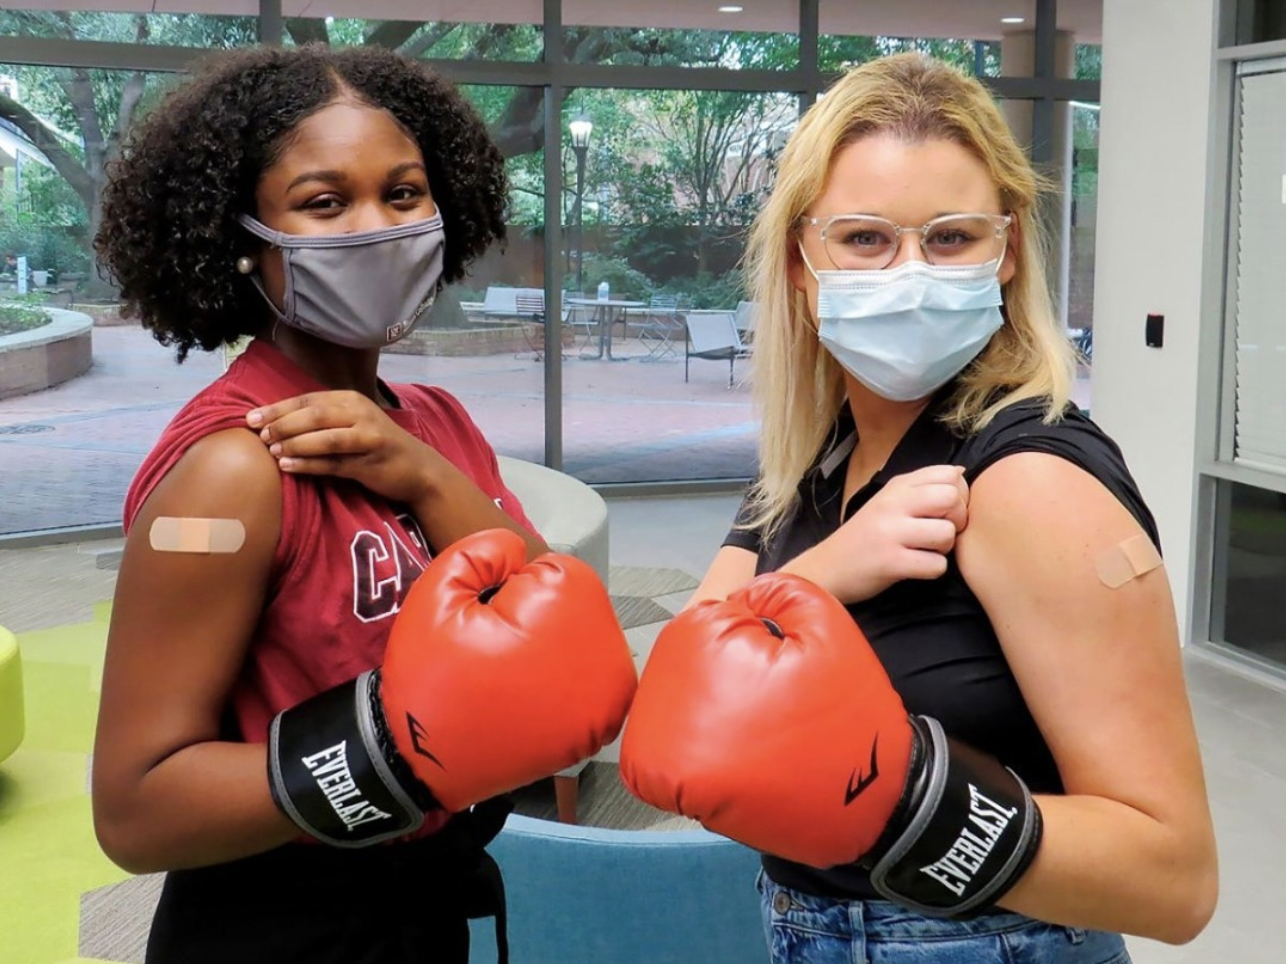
968, 19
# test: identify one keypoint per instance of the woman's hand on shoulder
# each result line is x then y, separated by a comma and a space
905, 531
347, 435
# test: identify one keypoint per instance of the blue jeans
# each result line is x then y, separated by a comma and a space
802, 929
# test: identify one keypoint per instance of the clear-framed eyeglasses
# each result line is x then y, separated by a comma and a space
864, 242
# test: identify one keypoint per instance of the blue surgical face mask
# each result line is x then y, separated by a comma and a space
365, 289
905, 332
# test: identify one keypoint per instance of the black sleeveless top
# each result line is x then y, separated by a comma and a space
933, 637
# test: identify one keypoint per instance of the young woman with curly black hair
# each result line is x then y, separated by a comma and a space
316, 200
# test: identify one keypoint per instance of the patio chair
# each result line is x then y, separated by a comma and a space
581, 320
714, 337
744, 320
661, 326
529, 306
500, 302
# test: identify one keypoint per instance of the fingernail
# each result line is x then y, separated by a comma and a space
255, 417
266, 435
286, 464
275, 448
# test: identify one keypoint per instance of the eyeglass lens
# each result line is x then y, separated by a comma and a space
862, 243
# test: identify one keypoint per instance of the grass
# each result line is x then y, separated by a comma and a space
14, 319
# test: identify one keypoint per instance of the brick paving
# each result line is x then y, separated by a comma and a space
67, 454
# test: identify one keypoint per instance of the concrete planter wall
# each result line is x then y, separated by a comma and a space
34, 360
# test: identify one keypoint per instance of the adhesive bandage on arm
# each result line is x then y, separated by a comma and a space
1127, 560
202, 536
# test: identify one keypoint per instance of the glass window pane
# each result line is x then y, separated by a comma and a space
168, 29
500, 40
1083, 222
69, 452
964, 33
1259, 21
1089, 61
480, 341
759, 36
969, 33
1250, 570
656, 208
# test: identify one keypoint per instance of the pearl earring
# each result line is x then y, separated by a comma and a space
245, 265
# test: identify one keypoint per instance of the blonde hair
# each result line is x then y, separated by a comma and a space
798, 386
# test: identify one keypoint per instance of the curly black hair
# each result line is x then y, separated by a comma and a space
169, 234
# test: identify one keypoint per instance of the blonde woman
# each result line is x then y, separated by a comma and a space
921, 463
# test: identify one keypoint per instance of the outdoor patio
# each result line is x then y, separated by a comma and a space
69, 452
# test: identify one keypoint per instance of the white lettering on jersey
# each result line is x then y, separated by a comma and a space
385, 563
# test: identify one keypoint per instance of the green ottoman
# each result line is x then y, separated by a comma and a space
12, 721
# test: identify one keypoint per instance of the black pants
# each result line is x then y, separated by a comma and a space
402, 903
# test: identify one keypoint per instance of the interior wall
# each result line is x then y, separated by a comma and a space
1158, 71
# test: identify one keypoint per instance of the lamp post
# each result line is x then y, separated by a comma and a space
581, 127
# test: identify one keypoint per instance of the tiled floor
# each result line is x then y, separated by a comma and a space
1241, 721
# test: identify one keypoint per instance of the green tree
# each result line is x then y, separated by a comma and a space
77, 117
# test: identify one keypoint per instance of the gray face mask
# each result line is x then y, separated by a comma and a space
361, 290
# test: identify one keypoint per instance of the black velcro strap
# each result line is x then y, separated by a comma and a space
329, 775
968, 838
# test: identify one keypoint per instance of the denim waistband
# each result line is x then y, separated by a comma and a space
882, 919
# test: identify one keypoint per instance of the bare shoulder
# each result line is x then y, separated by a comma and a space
1041, 500
229, 477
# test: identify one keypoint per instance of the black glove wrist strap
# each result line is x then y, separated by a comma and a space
968, 837
329, 772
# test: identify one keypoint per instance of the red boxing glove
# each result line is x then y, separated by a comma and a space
768, 718
497, 672
500, 671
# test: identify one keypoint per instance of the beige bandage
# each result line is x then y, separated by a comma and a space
204, 536
1127, 560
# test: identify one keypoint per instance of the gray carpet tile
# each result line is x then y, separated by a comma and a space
51, 586
635, 611
647, 581
114, 920
604, 802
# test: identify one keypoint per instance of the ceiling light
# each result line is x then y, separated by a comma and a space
731, 9
1011, 19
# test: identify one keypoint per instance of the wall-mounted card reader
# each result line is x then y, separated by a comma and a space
1154, 331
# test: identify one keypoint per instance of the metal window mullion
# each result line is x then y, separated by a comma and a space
810, 79
1255, 51
271, 24
1216, 388
99, 54
1226, 436
555, 91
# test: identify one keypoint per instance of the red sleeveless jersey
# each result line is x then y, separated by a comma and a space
346, 557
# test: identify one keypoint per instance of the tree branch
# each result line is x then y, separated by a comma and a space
392, 33
131, 94
78, 88
64, 162
305, 30
428, 40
